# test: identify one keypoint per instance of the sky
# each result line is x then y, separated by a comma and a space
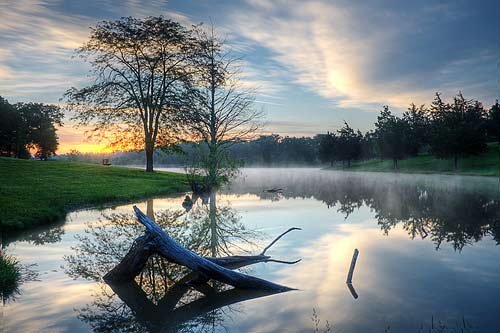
314, 64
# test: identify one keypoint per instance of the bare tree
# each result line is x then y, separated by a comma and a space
221, 111
141, 68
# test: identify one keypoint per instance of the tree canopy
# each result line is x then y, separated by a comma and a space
141, 70
458, 129
29, 127
221, 110
392, 136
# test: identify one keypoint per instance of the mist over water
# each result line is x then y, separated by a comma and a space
428, 258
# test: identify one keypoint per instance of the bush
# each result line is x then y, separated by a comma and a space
10, 274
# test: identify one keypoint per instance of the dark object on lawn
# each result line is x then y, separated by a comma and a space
187, 204
157, 241
274, 190
105, 161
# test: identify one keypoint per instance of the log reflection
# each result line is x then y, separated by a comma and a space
158, 299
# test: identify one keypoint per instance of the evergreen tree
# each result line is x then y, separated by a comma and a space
326, 148
418, 128
458, 129
348, 145
494, 122
392, 136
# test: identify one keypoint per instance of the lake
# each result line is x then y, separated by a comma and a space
429, 259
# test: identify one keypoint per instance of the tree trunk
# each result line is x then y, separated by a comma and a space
149, 157
213, 223
157, 241
395, 163
348, 163
455, 162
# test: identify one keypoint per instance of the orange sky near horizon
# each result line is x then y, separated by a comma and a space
74, 138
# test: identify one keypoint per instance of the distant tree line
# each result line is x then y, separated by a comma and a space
27, 128
446, 130
266, 150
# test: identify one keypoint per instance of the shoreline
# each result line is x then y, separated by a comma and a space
37, 193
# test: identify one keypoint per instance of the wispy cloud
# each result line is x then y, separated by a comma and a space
41, 43
357, 55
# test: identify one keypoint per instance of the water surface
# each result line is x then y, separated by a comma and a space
428, 261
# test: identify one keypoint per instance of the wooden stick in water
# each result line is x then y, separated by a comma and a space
353, 264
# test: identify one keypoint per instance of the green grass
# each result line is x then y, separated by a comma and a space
485, 164
36, 192
10, 274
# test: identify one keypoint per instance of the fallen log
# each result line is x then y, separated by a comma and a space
157, 241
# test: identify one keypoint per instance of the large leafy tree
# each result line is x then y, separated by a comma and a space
141, 68
38, 130
458, 129
10, 124
26, 127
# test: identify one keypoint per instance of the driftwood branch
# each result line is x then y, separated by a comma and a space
157, 241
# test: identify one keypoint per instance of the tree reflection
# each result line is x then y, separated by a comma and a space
37, 236
444, 212
159, 299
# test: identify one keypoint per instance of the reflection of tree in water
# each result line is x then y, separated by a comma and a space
455, 217
448, 212
158, 298
37, 236
219, 229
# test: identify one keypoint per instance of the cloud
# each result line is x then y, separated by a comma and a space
41, 43
358, 55
39, 38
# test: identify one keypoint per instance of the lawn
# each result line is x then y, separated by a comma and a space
485, 164
37, 192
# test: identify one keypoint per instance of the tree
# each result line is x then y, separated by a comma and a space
458, 129
267, 145
418, 128
141, 68
369, 147
494, 121
221, 112
10, 121
348, 144
391, 132
327, 147
29, 126
38, 131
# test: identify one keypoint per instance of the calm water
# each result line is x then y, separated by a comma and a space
428, 262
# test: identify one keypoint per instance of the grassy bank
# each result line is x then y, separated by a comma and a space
36, 192
486, 164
